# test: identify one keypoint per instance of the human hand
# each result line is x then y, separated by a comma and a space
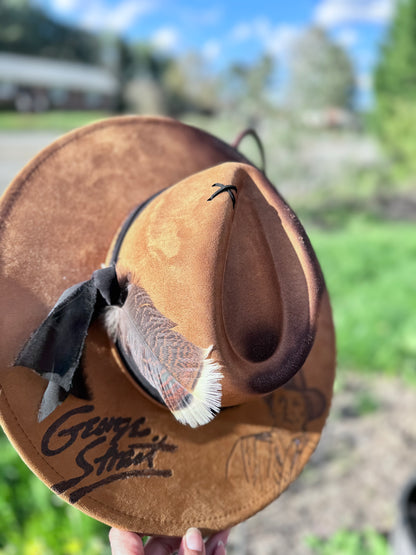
129, 543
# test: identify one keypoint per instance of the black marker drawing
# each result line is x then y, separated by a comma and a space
116, 448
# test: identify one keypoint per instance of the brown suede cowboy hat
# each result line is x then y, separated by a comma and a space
167, 346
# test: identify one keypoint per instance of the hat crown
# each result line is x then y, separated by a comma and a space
222, 262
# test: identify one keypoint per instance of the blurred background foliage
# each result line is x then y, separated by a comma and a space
346, 542
34, 521
27, 29
395, 89
322, 74
350, 175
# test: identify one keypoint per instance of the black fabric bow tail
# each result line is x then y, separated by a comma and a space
55, 349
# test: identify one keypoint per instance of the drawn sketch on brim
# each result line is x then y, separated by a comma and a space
296, 404
277, 454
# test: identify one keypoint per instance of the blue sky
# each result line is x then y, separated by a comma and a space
237, 30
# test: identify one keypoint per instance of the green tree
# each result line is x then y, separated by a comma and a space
321, 73
246, 87
26, 29
395, 75
155, 81
200, 85
395, 89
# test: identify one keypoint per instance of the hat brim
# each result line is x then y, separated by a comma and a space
120, 457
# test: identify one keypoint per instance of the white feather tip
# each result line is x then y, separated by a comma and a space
204, 403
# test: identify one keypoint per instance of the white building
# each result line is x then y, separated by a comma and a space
37, 84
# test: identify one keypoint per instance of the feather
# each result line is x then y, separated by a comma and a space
188, 381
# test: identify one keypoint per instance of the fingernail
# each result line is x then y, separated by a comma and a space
220, 549
194, 540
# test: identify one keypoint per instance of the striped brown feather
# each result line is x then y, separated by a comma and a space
188, 381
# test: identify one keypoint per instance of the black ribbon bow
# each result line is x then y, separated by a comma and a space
55, 349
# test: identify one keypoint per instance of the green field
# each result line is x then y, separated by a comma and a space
370, 268
48, 121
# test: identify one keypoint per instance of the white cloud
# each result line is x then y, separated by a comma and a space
64, 6
275, 39
97, 15
335, 12
347, 37
166, 39
211, 50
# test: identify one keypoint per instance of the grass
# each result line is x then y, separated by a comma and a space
48, 121
34, 521
346, 542
370, 268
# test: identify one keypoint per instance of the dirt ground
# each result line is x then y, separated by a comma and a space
366, 454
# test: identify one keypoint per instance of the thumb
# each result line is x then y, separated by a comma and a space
125, 543
192, 543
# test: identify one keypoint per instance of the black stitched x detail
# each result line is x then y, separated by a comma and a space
222, 188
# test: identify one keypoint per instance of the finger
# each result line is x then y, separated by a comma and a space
125, 543
192, 543
162, 545
216, 543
